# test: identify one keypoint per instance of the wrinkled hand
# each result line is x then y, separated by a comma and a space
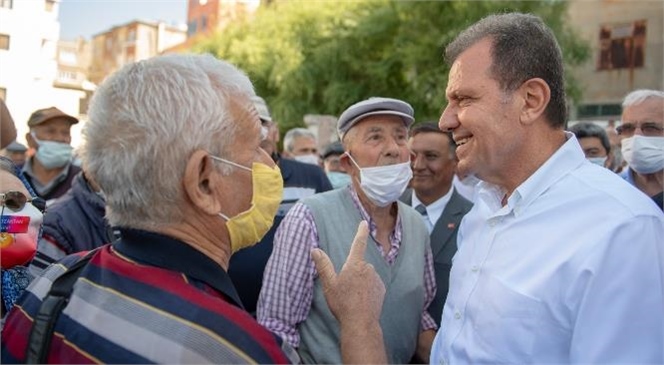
355, 295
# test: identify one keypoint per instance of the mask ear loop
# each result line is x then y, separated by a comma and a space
353, 160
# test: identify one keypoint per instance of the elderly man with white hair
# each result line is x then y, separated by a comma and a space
174, 143
642, 132
374, 133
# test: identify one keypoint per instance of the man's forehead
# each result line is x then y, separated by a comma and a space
651, 109
382, 123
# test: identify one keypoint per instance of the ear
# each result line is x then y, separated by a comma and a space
201, 182
346, 164
31, 141
536, 95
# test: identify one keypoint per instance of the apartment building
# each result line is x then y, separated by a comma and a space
29, 33
627, 52
131, 42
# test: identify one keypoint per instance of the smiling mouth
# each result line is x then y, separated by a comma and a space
462, 141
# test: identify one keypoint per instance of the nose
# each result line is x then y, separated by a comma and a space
392, 148
448, 120
417, 161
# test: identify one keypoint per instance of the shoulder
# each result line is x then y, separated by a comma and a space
598, 189
296, 173
323, 200
460, 201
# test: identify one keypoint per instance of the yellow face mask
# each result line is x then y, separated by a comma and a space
247, 228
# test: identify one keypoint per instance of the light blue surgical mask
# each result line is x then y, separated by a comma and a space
53, 154
338, 179
599, 161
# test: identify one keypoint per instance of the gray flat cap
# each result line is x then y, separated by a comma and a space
374, 106
261, 108
16, 147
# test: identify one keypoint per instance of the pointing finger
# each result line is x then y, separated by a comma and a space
359, 245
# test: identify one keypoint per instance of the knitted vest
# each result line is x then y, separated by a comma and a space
337, 219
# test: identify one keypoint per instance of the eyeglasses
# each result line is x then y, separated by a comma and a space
15, 200
650, 129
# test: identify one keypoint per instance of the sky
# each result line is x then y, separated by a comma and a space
86, 18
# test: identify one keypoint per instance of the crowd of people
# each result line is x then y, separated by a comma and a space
180, 233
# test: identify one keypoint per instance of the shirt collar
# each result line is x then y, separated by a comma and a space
169, 253
435, 209
395, 237
44, 189
567, 158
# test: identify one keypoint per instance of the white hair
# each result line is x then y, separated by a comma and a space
146, 120
291, 135
639, 96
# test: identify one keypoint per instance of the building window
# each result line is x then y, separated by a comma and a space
49, 5
622, 46
203, 23
599, 110
3, 94
7, 4
68, 57
191, 28
67, 76
4, 41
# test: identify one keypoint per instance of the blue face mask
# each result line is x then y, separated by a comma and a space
338, 179
52, 154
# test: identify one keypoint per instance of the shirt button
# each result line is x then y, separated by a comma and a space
475, 268
457, 315
492, 223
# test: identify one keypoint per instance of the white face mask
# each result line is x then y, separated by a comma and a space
383, 185
310, 159
644, 155
599, 161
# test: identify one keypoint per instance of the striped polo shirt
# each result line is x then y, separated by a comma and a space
147, 298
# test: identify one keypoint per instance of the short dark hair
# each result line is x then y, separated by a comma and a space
588, 129
523, 47
431, 127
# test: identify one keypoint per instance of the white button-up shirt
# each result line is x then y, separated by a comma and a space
570, 270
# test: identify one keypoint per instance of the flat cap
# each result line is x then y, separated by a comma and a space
16, 147
261, 108
374, 106
334, 148
43, 115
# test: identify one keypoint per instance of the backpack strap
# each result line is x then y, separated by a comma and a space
53, 304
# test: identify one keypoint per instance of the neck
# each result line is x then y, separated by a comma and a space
42, 174
535, 152
650, 184
200, 239
384, 217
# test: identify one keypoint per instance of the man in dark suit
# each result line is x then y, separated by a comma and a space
441, 206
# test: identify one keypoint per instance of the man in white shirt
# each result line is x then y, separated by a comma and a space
560, 260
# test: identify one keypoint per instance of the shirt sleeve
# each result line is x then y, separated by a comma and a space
427, 322
287, 291
619, 316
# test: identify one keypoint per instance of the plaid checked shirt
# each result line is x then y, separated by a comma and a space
288, 282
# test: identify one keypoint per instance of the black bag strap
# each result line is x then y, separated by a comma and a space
53, 304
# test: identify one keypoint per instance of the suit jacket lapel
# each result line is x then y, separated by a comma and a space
447, 224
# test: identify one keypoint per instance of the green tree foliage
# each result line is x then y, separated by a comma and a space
318, 57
